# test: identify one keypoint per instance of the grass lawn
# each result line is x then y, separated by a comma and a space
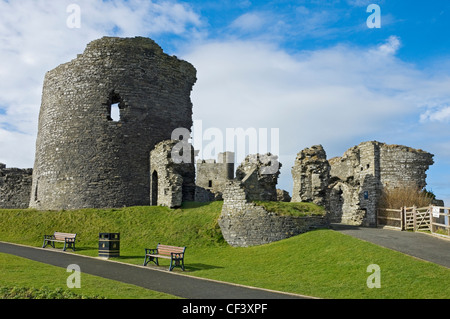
292, 209
321, 263
21, 276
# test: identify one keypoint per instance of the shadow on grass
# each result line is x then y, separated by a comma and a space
187, 205
199, 266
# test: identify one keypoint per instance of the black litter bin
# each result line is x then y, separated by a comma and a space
109, 245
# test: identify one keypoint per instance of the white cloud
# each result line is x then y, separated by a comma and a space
337, 97
390, 47
250, 22
440, 115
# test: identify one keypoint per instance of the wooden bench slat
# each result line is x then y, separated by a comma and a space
159, 256
167, 251
67, 235
174, 253
66, 238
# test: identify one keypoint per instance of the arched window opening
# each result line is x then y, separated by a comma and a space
115, 107
154, 189
115, 112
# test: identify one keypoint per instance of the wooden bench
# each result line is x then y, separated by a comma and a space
66, 238
175, 254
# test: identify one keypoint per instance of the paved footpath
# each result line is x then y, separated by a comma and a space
180, 285
416, 244
419, 245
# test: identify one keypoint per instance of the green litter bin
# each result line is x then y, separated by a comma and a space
109, 245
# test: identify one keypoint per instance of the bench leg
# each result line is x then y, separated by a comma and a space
70, 244
145, 261
178, 263
149, 259
48, 242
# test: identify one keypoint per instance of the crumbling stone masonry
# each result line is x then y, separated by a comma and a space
283, 196
172, 182
15, 187
245, 224
85, 158
311, 173
259, 177
355, 181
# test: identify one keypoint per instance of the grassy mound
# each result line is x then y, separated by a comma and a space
194, 225
292, 209
321, 263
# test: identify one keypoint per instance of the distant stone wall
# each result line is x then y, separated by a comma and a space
212, 176
15, 187
245, 224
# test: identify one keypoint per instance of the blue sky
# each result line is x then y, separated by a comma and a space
313, 69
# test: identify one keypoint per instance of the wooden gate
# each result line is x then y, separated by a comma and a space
432, 218
417, 218
440, 221
390, 218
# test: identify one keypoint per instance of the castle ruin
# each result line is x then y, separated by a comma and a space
87, 158
84, 158
350, 186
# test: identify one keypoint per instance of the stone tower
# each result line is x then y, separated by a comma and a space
84, 156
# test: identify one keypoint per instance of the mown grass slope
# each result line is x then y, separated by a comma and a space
321, 263
25, 279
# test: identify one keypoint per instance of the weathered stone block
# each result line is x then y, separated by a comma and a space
15, 187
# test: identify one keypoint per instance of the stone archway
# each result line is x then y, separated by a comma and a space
154, 189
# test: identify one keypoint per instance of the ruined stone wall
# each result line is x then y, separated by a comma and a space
359, 176
213, 176
244, 224
259, 175
171, 183
355, 185
83, 157
401, 165
311, 173
15, 187
351, 190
